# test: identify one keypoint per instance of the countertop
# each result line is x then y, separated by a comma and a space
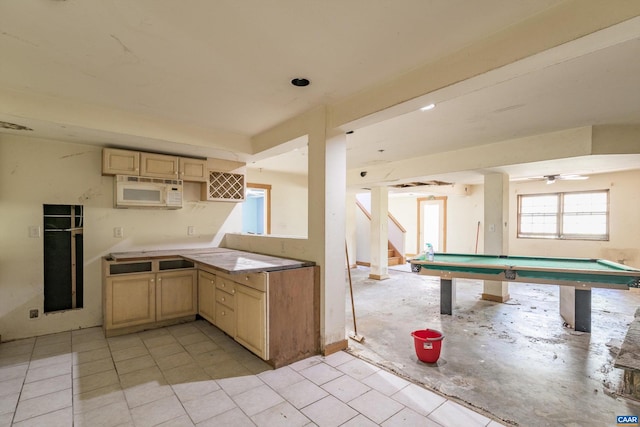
166, 253
230, 261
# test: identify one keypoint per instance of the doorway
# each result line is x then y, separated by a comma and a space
432, 223
256, 209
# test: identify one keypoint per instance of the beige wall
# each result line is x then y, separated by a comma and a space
624, 200
289, 195
34, 172
463, 214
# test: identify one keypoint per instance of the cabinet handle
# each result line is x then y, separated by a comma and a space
223, 313
222, 286
233, 291
152, 280
222, 299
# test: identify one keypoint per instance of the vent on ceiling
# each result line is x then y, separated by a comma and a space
13, 126
421, 184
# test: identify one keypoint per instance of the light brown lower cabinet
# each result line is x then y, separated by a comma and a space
226, 305
251, 317
130, 300
146, 294
275, 315
207, 295
176, 294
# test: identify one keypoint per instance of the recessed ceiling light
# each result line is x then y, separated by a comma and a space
300, 82
428, 107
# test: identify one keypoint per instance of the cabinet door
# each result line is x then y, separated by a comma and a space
251, 330
130, 300
207, 296
176, 294
194, 170
158, 165
120, 162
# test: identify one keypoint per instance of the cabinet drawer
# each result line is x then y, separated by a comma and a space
257, 281
226, 319
225, 285
226, 299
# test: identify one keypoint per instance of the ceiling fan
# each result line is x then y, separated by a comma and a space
550, 179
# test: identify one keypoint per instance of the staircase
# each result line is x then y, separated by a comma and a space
394, 257
395, 241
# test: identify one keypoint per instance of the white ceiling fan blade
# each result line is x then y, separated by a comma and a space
572, 177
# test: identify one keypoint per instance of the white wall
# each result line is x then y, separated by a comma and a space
289, 195
34, 172
363, 237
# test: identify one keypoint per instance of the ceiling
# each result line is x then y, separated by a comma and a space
202, 78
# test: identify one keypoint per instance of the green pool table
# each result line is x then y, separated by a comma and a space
576, 277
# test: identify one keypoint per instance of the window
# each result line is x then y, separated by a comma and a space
570, 216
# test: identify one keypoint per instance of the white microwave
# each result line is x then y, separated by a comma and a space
144, 192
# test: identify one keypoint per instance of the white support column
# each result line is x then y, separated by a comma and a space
327, 194
379, 233
496, 229
350, 219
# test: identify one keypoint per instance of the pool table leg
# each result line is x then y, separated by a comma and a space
583, 310
575, 307
447, 295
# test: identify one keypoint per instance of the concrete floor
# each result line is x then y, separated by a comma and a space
514, 362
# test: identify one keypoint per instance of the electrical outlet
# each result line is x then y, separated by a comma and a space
191, 230
34, 231
33, 313
118, 232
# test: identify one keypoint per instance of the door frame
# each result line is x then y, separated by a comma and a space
267, 202
443, 200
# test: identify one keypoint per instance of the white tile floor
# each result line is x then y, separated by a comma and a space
193, 374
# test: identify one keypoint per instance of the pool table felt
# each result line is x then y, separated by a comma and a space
563, 269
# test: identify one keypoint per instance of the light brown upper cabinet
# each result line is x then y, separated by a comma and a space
158, 165
116, 161
194, 170
120, 162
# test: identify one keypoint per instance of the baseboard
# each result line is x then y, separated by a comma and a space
495, 298
364, 264
139, 328
378, 276
335, 347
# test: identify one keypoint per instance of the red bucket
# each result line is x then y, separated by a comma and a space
428, 343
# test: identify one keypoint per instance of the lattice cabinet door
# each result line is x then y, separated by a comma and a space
225, 187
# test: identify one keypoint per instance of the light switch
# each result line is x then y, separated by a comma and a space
191, 230
118, 232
